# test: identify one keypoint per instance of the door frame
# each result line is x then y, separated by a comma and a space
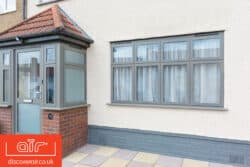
15, 80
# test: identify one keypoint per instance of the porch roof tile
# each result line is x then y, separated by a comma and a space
50, 20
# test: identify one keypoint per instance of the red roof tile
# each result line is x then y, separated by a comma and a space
46, 21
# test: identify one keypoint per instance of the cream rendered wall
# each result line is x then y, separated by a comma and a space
112, 20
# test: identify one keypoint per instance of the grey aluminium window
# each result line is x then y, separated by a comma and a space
5, 75
184, 70
74, 76
50, 59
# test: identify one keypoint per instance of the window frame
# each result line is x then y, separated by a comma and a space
41, 2
9, 10
161, 63
55, 65
74, 66
9, 68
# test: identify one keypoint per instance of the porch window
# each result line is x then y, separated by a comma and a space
7, 6
5, 84
74, 77
50, 85
185, 70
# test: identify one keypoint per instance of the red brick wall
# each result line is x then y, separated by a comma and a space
5, 120
71, 124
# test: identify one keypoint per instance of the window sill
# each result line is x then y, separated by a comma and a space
7, 12
170, 107
65, 108
45, 3
4, 106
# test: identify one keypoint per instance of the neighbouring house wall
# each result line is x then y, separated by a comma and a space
113, 20
10, 19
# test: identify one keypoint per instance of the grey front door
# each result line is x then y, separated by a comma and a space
28, 91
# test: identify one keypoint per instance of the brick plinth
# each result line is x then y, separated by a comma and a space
71, 124
5, 120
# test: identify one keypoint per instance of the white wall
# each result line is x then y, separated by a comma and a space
112, 20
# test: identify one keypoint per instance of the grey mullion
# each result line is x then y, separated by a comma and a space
161, 72
127, 63
222, 85
174, 63
147, 65
124, 65
189, 73
207, 62
1, 58
207, 59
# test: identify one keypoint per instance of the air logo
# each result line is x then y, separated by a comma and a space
30, 146
30, 150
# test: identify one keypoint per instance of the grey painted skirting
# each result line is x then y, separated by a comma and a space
187, 146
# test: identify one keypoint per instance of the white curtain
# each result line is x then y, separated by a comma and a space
122, 85
175, 51
148, 52
206, 48
175, 84
207, 83
123, 54
147, 84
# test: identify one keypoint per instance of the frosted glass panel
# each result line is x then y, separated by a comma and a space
207, 79
175, 51
122, 84
147, 84
175, 84
74, 86
28, 74
206, 48
123, 54
29, 119
71, 57
50, 55
6, 59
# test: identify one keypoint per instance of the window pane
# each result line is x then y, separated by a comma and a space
11, 5
207, 79
2, 6
71, 57
122, 84
50, 85
6, 59
147, 84
206, 48
123, 54
50, 55
6, 85
148, 52
28, 74
175, 51
74, 86
175, 84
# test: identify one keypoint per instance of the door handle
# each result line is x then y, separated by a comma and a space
27, 100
